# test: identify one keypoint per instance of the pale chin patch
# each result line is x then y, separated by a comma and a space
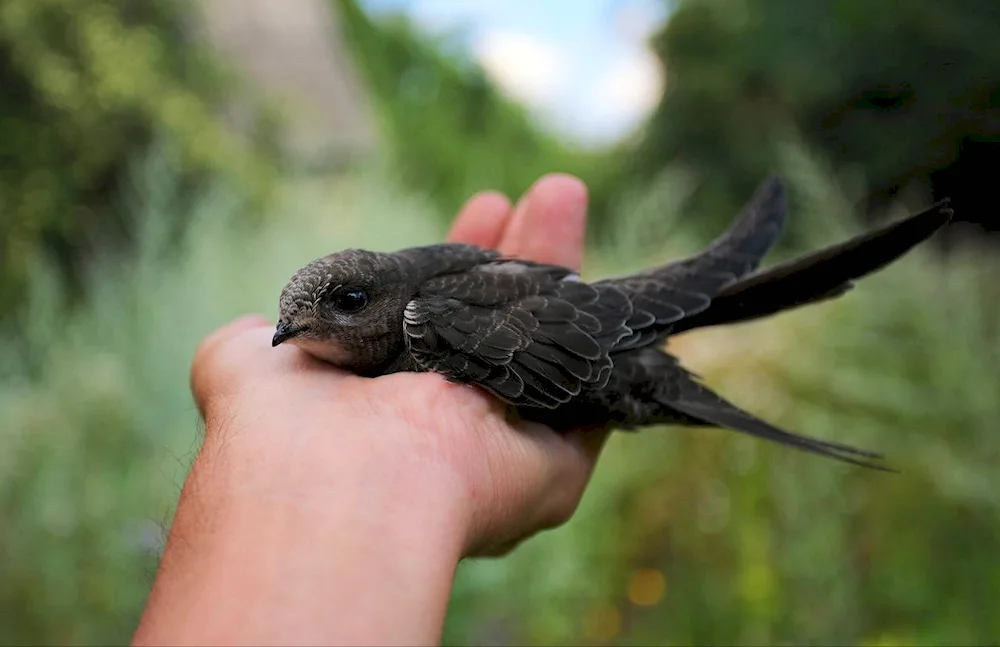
327, 351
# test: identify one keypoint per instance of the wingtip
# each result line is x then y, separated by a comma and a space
869, 462
944, 209
917, 226
773, 183
772, 191
881, 468
772, 194
934, 217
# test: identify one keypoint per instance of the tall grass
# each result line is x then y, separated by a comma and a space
754, 543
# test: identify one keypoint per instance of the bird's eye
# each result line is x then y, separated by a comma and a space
350, 300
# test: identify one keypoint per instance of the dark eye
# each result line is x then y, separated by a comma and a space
350, 300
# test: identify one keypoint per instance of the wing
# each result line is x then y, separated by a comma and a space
533, 335
678, 391
698, 401
824, 274
664, 295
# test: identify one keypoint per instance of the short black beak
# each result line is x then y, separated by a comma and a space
284, 332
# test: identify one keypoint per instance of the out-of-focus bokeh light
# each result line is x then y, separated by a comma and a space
646, 587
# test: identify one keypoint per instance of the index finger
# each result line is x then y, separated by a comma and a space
481, 221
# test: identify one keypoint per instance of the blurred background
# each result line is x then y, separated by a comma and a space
166, 165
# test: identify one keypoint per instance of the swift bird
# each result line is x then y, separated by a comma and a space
568, 353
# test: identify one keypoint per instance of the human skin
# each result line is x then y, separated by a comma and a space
326, 508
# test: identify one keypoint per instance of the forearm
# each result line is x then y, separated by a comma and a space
270, 547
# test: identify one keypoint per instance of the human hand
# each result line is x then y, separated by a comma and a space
327, 508
506, 481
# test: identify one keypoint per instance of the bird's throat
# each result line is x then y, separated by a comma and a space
328, 351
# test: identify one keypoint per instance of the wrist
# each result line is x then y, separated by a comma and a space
275, 516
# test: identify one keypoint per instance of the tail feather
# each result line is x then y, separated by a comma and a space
819, 276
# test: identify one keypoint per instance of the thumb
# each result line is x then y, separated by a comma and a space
205, 374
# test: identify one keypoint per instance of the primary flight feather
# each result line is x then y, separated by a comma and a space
568, 353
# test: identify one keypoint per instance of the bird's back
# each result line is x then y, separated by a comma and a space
573, 354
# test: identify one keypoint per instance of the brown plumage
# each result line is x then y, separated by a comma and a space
569, 353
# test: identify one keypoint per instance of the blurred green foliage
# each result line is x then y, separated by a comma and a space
891, 92
448, 130
685, 537
84, 88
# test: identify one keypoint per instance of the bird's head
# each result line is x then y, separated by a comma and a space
346, 309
